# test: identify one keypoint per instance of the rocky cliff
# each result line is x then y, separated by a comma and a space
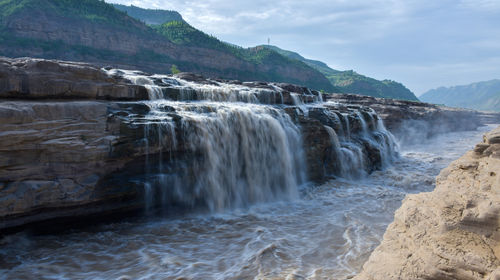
76, 140
452, 232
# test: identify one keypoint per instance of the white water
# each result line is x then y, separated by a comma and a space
248, 153
246, 164
241, 152
327, 233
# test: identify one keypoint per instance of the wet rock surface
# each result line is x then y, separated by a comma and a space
452, 232
104, 146
418, 119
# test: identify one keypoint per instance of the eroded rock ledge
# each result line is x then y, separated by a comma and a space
452, 232
419, 119
74, 140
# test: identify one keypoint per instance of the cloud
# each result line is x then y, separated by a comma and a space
450, 41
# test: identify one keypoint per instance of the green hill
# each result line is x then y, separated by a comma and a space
483, 96
94, 31
352, 82
92, 10
150, 16
181, 33
321, 66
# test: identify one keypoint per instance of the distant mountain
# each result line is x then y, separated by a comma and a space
352, 82
483, 96
97, 32
150, 16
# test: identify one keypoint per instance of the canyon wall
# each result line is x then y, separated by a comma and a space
452, 232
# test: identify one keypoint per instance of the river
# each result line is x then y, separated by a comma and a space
327, 232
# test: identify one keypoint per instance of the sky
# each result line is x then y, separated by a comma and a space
423, 44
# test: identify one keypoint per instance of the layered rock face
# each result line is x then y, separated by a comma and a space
452, 232
79, 140
26, 78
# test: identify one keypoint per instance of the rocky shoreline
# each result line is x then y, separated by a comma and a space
75, 141
452, 232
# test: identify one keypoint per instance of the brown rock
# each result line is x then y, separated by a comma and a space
399, 115
450, 233
28, 78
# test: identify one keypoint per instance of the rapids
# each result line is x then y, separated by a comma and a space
245, 208
244, 144
326, 233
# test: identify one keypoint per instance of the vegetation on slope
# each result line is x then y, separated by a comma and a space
319, 65
150, 16
97, 11
181, 33
479, 96
352, 82
73, 23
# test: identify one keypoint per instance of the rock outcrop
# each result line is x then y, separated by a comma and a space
79, 140
53, 158
452, 232
401, 116
27, 78
76, 139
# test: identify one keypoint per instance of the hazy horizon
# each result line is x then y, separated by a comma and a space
422, 44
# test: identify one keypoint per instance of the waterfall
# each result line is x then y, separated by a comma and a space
299, 103
244, 153
220, 145
364, 126
391, 146
161, 129
349, 159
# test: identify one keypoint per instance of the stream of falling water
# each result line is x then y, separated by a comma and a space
328, 232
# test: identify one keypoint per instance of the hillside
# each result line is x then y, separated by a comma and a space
94, 31
150, 16
483, 96
319, 65
352, 82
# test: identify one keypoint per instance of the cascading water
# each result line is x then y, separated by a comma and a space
349, 158
199, 152
326, 234
348, 151
243, 153
242, 145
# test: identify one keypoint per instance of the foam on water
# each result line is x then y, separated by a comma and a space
246, 163
327, 233
245, 152
250, 153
